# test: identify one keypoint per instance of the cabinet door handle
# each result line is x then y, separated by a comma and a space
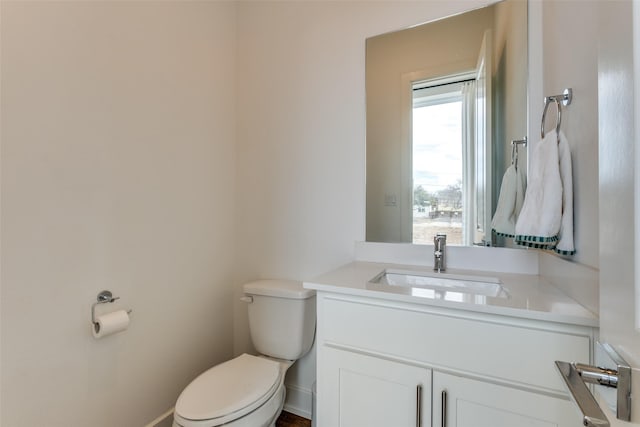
419, 406
443, 423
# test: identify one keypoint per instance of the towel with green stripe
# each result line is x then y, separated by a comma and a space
546, 218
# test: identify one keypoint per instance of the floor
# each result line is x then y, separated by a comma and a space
287, 419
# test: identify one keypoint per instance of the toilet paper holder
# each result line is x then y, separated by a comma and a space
103, 298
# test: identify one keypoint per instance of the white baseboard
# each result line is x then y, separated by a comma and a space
164, 420
298, 401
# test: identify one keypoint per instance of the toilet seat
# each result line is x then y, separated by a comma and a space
229, 391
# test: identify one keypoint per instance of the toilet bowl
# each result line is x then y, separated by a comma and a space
249, 391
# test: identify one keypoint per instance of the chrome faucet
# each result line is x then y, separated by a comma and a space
439, 252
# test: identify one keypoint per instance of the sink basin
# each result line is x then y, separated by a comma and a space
441, 283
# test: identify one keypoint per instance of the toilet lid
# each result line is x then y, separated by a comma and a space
230, 390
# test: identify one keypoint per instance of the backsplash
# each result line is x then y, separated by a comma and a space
505, 260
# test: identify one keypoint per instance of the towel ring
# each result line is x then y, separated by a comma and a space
559, 100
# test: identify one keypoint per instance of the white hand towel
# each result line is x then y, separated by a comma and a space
504, 222
539, 222
512, 190
565, 244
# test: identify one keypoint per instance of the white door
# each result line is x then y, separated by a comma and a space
472, 403
483, 141
618, 143
373, 392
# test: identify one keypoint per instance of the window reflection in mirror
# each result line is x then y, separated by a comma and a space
437, 158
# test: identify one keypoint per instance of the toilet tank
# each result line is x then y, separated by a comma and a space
282, 317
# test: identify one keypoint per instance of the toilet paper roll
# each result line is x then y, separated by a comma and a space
110, 323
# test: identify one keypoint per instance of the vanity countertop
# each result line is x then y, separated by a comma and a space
530, 296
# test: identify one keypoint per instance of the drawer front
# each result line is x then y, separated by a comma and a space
488, 346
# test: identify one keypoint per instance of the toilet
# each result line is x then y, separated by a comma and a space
249, 391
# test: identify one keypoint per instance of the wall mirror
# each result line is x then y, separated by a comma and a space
444, 101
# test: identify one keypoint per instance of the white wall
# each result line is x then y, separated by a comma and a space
128, 164
118, 172
561, 59
570, 60
301, 151
301, 139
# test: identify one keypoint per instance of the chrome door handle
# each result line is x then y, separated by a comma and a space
592, 415
576, 375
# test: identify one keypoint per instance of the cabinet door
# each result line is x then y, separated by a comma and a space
368, 391
472, 403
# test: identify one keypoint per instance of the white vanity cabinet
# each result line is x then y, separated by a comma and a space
374, 392
386, 363
473, 403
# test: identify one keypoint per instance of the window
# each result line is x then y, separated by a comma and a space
439, 159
